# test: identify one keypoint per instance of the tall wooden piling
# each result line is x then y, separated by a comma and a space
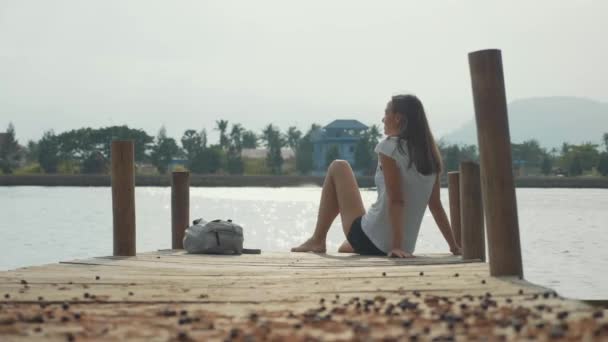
471, 212
123, 197
497, 183
454, 197
180, 207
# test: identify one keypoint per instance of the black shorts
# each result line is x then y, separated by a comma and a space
359, 240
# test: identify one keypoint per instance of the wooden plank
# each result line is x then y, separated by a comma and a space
149, 290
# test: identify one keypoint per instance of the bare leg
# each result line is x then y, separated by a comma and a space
340, 195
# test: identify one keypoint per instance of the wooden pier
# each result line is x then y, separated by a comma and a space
278, 296
170, 295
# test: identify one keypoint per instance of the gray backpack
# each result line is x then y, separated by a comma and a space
215, 237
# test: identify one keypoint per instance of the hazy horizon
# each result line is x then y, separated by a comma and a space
71, 64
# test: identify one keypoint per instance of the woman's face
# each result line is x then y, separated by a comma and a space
391, 121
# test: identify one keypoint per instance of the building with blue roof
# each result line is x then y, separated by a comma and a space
340, 134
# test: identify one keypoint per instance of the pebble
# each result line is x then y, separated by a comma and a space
456, 275
7, 296
65, 306
384, 274
421, 274
483, 281
97, 278
23, 282
234, 333
556, 332
184, 320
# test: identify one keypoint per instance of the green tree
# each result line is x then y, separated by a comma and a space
234, 161
452, 158
208, 161
31, 154
250, 139
192, 143
528, 152
546, 165
9, 148
365, 156
294, 136
236, 137
374, 135
95, 163
48, 152
222, 126
332, 154
605, 138
575, 167
274, 142
602, 164
163, 151
304, 151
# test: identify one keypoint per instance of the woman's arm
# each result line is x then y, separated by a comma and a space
396, 203
442, 219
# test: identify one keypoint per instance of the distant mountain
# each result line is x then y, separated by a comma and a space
550, 120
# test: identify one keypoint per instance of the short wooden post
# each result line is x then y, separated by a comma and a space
471, 212
123, 197
497, 182
454, 196
180, 207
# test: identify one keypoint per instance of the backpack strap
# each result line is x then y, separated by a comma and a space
251, 251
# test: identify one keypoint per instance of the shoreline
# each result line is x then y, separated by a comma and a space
268, 181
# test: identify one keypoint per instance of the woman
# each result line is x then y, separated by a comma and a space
407, 179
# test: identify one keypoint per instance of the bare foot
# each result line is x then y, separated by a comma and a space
310, 246
346, 248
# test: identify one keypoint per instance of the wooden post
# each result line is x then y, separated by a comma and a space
123, 197
180, 207
471, 213
497, 183
454, 196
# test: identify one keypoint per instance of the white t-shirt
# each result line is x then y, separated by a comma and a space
416, 189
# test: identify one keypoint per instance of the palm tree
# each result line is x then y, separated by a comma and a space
236, 136
274, 143
222, 126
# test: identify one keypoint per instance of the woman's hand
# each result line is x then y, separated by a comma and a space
456, 250
399, 253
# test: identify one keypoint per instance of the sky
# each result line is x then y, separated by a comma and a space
185, 64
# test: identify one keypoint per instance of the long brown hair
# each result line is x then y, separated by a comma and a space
415, 131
